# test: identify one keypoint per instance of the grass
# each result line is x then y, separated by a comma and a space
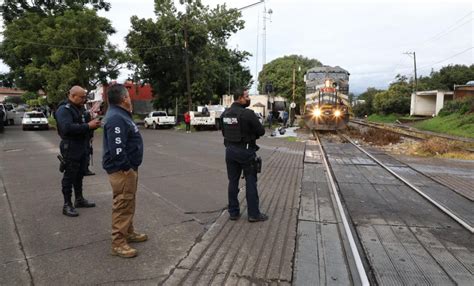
441, 148
390, 118
52, 122
454, 124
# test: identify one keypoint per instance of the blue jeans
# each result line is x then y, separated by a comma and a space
239, 159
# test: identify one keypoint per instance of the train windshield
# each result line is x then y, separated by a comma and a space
322, 76
326, 98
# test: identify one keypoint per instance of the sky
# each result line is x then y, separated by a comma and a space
366, 37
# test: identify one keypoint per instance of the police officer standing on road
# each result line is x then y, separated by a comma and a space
90, 148
241, 129
74, 132
123, 154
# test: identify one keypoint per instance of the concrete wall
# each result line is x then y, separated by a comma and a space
442, 98
423, 104
429, 103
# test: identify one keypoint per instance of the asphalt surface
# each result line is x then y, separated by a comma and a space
182, 191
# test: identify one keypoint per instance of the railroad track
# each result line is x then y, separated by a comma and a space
347, 231
393, 231
416, 134
445, 209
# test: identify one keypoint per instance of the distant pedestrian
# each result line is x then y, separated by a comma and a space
2, 115
74, 131
285, 118
270, 119
241, 128
187, 121
123, 154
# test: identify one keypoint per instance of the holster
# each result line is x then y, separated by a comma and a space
62, 163
258, 164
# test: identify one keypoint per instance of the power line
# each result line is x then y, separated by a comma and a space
440, 35
432, 64
448, 29
87, 48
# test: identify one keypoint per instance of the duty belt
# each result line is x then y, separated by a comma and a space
242, 145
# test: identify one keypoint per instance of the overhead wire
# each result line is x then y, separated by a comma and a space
450, 57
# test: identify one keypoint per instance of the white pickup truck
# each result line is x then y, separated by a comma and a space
157, 119
207, 117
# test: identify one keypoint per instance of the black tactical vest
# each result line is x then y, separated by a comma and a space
232, 125
78, 117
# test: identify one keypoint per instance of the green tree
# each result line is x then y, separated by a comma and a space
14, 9
13, 99
366, 108
7, 80
157, 52
390, 101
279, 73
54, 51
33, 102
42, 101
448, 76
29, 96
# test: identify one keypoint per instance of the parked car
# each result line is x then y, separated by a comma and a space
4, 107
157, 119
1, 120
34, 120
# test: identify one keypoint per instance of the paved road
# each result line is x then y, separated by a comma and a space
182, 190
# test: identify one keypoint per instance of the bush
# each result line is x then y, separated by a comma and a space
29, 96
387, 102
361, 110
461, 106
437, 146
32, 102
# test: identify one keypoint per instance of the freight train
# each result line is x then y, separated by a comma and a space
327, 106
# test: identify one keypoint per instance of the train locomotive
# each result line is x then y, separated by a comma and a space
327, 106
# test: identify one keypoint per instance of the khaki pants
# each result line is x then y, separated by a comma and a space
124, 187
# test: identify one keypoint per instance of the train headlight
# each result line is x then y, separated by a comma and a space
337, 113
316, 112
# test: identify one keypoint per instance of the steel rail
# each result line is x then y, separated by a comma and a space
364, 280
415, 134
441, 207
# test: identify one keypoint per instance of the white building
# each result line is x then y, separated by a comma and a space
429, 103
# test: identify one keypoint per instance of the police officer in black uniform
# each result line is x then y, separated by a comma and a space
241, 128
2, 114
74, 132
90, 148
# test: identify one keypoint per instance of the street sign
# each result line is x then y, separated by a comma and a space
293, 105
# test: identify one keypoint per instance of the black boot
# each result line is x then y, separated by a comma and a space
69, 210
83, 203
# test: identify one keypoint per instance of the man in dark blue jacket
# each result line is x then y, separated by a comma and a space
74, 132
123, 154
241, 129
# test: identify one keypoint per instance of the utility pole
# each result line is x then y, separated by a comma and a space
292, 107
264, 44
228, 92
186, 54
415, 84
186, 59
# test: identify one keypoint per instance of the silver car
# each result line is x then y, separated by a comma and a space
34, 120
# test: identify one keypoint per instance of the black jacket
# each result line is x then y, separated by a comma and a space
73, 129
252, 129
